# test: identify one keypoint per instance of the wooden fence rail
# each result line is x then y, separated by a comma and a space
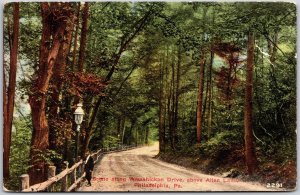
70, 178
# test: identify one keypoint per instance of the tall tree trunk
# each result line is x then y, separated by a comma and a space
229, 88
165, 107
9, 96
119, 121
200, 98
131, 131
123, 130
210, 88
83, 39
177, 94
58, 73
161, 113
136, 137
85, 16
9, 34
168, 114
88, 130
76, 37
200, 106
205, 99
250, 156
147, 135
6, 139
37, 99
272, 51
68, 100
173, 107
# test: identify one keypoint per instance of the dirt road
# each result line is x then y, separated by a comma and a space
137, 170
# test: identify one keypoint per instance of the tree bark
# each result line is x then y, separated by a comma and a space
123, 130
173, 86
177, 94
119, 121
83, 37
136, 137
161, 113
37, 99
80, 67
229, 88
9, 96
131, 131
88, 130
200, 99
147, 136
250, 156
6, 139
165, 107
58, 73
272, 51
210, 88
170, 115
76, 38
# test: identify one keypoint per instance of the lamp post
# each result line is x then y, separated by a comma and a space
78, 114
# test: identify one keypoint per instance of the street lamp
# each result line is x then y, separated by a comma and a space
78, 116
78, 120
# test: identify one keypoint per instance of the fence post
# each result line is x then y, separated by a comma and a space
51, 173
64, 180
24, 181
73, 174
81, 168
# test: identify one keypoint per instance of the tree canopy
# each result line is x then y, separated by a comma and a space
205, 79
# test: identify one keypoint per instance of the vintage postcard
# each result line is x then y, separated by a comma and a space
149, 96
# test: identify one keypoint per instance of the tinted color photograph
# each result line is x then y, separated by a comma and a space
149, 96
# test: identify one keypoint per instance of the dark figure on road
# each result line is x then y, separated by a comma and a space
88, 168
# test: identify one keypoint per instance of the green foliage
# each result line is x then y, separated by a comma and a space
279, 151
19, 154
111, 141
47, 156
287, 151
219, 145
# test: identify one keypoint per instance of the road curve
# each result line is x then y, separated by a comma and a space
137, 170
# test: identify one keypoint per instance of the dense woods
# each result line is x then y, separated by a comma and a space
214, 83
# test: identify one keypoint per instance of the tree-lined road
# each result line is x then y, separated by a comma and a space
137, 170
